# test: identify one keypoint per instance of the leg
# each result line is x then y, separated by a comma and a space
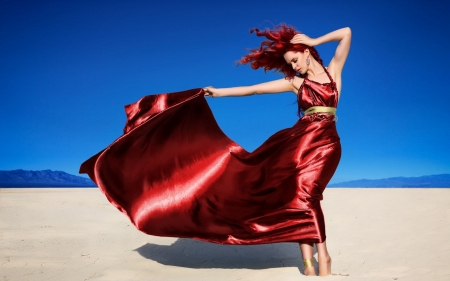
324, 259
307, 253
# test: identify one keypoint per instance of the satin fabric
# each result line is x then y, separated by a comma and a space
175, 173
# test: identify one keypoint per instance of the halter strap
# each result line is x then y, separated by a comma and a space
329, 76
334, 87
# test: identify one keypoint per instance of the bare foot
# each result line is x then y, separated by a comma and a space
324, 266
310, 271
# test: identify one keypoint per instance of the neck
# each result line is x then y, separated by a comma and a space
314, 68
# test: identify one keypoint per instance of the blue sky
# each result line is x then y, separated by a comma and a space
68, 68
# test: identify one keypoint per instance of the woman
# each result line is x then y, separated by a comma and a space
293, 53
175, 173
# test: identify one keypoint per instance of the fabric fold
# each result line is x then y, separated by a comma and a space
175, 173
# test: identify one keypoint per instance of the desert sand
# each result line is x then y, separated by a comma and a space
76, 234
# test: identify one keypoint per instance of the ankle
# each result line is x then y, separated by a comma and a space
324, 258
309, 269
324, 265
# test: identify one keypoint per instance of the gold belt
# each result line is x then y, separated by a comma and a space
326, 109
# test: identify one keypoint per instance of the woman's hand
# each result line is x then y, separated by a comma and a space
210, 91
303, 39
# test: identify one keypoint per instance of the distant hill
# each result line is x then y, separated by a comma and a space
44, 178
49, 178
442, 180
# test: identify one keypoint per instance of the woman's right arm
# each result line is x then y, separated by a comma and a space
272, 87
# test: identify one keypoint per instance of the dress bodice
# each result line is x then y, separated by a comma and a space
312, 93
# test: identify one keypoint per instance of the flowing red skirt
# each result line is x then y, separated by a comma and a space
175, 173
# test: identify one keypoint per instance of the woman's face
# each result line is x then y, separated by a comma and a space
297, 60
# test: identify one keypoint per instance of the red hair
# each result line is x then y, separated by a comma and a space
270, 53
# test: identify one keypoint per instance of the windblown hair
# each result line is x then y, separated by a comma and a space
269, 55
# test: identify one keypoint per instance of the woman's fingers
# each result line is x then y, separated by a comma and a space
208, 91
302, 39
298, 38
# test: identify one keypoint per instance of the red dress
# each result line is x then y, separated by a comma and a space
175, 173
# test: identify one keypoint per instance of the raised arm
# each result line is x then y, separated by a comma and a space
343, 35
272, 87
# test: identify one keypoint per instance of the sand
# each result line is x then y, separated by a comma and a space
75, 234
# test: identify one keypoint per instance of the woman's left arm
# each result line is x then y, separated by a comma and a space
343, 35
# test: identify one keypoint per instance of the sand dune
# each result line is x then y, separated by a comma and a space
75, 234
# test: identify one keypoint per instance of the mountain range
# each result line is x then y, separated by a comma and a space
442, 180
49, 178
44, 178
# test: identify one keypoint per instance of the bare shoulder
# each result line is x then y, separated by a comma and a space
297, 83
334, 73
331, 69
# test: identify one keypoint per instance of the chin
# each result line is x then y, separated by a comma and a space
301, 74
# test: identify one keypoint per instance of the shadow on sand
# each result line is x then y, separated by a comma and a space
197, 254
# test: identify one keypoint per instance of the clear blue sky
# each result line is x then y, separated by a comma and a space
68, 68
